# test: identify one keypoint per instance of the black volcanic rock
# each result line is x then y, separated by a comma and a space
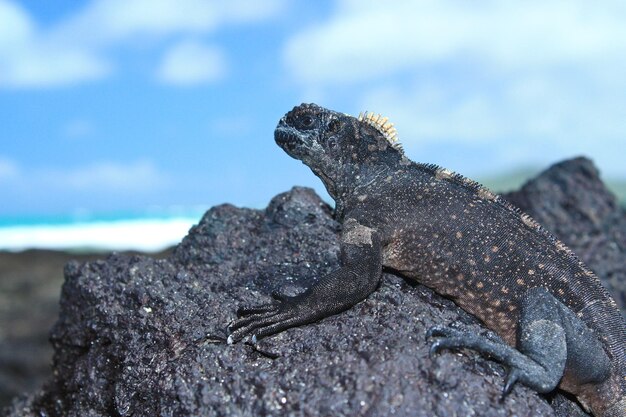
30, 284
145, 337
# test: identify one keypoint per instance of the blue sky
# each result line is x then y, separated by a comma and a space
122, 105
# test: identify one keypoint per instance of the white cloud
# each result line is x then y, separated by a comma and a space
77, 129
78, 49
453, 74
365, 39
28, 59
107, 21
101, 184
38, 66
107, 176
8, 169
245, 11
15, 24
191, 63
428, 113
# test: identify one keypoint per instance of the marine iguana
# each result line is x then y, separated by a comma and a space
427, 223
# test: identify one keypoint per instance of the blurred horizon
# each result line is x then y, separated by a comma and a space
120, 106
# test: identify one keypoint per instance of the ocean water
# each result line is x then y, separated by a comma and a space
146, 232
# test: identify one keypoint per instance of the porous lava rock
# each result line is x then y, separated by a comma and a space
138, 336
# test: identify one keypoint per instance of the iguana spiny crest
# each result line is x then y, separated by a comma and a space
382, 124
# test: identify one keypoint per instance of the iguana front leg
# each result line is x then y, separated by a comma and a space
359, 275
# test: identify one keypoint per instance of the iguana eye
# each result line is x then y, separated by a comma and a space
307, 121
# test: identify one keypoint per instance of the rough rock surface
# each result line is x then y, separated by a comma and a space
30, 284
144, 337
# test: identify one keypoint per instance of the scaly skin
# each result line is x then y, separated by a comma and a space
561, 327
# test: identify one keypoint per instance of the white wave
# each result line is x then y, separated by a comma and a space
146, 235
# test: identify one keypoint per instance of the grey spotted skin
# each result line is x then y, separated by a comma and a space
561, 327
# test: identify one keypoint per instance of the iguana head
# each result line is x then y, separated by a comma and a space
336, 146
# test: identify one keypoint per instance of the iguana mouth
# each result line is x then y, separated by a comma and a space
286, 139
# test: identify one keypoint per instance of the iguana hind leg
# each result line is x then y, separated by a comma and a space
551, 341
